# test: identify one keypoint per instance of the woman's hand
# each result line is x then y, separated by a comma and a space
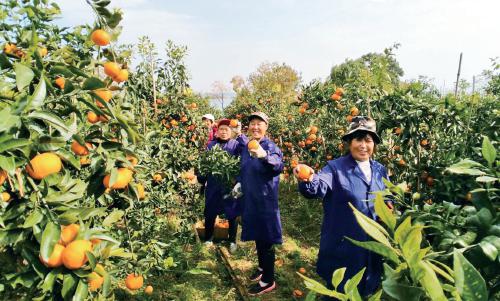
303, 173
258, 152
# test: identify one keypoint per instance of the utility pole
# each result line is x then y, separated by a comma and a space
473, 84
458, 74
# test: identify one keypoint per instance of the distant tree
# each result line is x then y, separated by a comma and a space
219, 89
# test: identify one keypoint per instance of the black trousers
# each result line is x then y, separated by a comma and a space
266, 255
210, 224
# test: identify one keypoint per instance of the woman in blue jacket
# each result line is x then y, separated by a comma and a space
259, 176
218, 199
348, 179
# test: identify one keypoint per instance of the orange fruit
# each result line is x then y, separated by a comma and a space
95, 241
349, 118
79, 149
3, 176
298, 293
148, 290
329, 157
313, 130
140, 191
302, 110
254, 144
468, 196
157, 178
335, 97
111, 69
10, 48
69, 233
194, 105
304, 172
60, 81
103, 118
424, 142
105, 94
100, 37
397, 131
294, 163
312, 137
134, 281
94, 281
121, 76
124, 177
84, 160
133, 160
43, 165
5, 196
92, 117
354, 111
429, 181
73, 256
174, 122
302, 270
233, 123
401, 162
55, 259
309, 142
184, 119
42, 51
339, 91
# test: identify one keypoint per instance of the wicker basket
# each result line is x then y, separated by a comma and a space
221, 229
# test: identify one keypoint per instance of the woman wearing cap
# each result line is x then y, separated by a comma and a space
261, 166
348, 179
218, 199
209, 123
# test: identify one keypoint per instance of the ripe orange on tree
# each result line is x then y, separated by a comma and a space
111, 69
42, 51
100, 37
122, 180
148, 290
141, 192
424, 142
10, 48
69, 233
60, 82
121, 76
335, 97
92, 117
313, 130
55, 258
354, 111
3, 176
43, 165
134, 281
349, 118
157, 178
298, 293
104, 94
74, 256
79, 149
302, 270
339, 91
94, 281
5, 196
312, 137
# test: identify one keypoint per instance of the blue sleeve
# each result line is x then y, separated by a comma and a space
274, 160
319, 186
242, 143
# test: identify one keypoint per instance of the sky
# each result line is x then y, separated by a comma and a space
227, 37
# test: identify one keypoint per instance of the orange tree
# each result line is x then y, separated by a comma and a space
65, 158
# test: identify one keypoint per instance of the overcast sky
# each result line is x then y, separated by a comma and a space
228, 37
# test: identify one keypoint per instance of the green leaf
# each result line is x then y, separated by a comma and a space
82, 291
51, 119
441, 272
402, 231
320, 288
34, 218
48, 283
69, 285
384, 212
468, 281
113, 217
372, 228
488, 150
430, 282
50, 237
199, 272
7, 120
381, 249
411, 243
338, 276
489, 250
8, 163
351, 285
24, 76
36, 100
14, 144
486, 179
93, 83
